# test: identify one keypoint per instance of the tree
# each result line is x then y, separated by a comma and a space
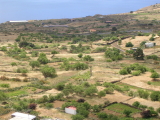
154, 75
138, 54
77, 117
88, 58
146, 114
114, 29
127, 112
48, 71
42, 58
155, 96
129, 44
101, 94
34, 64
80, 55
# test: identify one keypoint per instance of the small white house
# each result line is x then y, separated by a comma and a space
71, 110
22, 116
149, 44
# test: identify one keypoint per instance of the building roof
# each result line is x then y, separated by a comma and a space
22, 115
72, 107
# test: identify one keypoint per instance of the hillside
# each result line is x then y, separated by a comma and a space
101, 66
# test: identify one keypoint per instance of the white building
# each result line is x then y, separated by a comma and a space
149, 44
71, 110
18, 21
22, 116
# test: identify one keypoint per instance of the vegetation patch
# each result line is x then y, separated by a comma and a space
118, 107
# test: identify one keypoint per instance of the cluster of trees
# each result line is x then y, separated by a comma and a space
78, 66
79, 48
113, 54
134, 69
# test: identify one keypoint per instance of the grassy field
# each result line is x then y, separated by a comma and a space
118, 107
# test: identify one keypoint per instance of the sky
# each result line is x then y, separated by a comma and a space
58, 9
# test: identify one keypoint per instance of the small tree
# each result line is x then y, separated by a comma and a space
127, 112
138, 54
101, 94
34, 64
154, 75
14, 64
43, 59
48, 71
129, 44
77, 117
80, 55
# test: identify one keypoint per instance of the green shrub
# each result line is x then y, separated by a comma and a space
136, 73
109, 60
14, 64
88, 58
34, 53
49, 105
123, 72
22, 70
149, 82
5, 85
142, 106
48, 71
109, 90
158, 110
54, 52
4, 48
42, 58
127, 112
129, 44
155, 96
143, 94
136, 104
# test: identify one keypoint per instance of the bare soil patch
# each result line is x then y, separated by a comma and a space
141, 81
53, 113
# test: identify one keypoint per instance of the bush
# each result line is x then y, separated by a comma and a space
48, 71
21, 70
136, 73
14, 64
34, 64
127, 112
77, 117
129, 44
5, 85
49, 105
34, 53
60, 86
123, 72
155, 96
43, 59
109, 90
54, 52
149, 83
158, 110
101, 94
88, 58
154, 75
80, 55
136, 104
143, 94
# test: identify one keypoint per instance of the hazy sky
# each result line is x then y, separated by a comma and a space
52, 9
